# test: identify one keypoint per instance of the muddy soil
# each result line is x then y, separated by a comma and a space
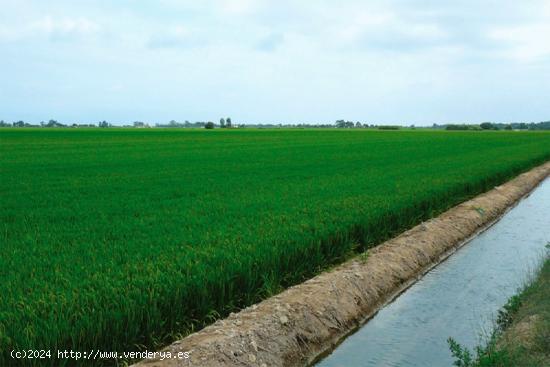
300, 324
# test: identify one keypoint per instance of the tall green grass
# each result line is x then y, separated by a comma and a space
120, 239
508, 347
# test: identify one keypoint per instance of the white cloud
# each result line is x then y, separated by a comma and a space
52, 28
356, 27
239, 7
65, 26
526, 43
385, 29
178, 36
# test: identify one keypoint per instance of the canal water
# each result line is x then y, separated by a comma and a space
459, 298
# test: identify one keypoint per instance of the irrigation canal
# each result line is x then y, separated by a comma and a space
459, 298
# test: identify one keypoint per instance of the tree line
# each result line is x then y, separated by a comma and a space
227, 123
543, 125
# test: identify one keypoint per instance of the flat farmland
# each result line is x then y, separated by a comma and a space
121, 239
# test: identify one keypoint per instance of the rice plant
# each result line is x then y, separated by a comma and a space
121, 239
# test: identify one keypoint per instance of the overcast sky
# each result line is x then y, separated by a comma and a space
409, 61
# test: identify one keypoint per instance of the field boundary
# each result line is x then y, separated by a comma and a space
301, 324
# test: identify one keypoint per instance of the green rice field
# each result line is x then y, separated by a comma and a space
125, 239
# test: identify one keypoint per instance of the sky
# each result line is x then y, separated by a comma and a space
310, 61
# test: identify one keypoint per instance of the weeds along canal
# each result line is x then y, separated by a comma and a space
459, 298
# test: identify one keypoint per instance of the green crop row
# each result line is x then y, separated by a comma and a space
124, 239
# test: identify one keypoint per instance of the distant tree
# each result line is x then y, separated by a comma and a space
461, 127
508, 127
137, 124
4, 124
222, 122
486, 126
103, 124
358, 124
209, 125
19, 124
228, 121
342, 123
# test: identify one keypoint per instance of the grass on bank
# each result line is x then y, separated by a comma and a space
118, 239
522, 335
